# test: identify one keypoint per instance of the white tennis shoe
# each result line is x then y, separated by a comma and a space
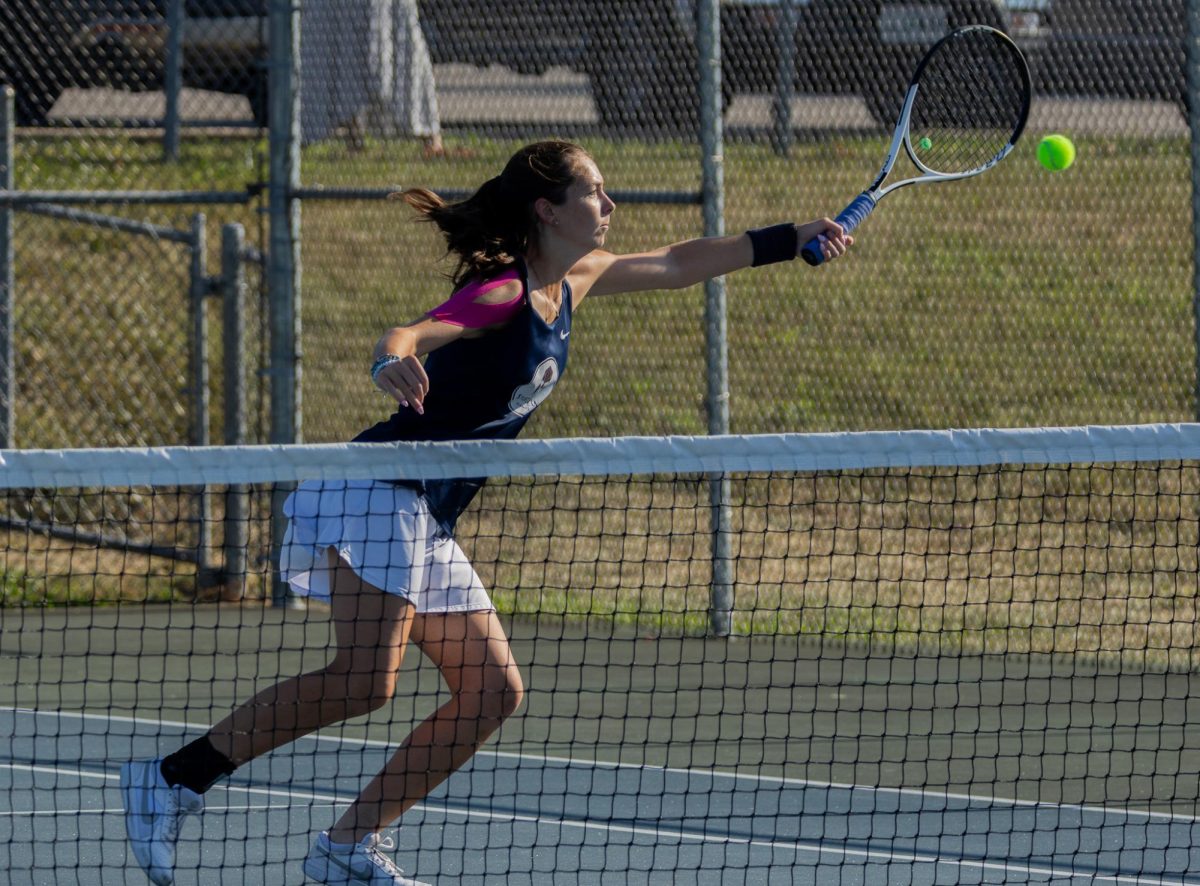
364, 862
153, 811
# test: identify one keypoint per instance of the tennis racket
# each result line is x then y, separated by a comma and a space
964, 111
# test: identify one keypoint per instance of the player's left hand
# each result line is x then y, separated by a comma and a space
834, 241
405, 380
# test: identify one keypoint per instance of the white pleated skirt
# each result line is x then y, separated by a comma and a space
386, 534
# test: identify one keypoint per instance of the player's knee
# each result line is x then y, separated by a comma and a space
382, 691
363, 689
495, 698
507, 691
513, 693
369, 692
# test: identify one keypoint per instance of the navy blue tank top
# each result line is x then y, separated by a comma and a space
483, 388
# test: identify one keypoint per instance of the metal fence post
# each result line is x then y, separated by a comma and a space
198, 352
7, 181
785, 79
233, 326
283, 257
173, 79
1193, 106
198, 378
237, 498
712, 150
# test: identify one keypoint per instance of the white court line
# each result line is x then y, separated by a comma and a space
114, 776
658, 832
104, 810
642, 767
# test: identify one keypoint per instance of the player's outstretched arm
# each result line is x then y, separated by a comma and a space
693, 261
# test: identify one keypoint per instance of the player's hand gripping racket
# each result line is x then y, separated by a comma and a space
964, 111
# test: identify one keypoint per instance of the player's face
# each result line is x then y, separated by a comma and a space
583, 218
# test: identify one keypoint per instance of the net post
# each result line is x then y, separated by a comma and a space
7, 180
173, 79
720, 606
237, 497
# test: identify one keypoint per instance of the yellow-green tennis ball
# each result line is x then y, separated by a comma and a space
925, 144
1056, 152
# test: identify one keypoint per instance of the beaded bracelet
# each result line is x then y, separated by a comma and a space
380, 362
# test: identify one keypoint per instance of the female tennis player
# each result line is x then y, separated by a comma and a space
529, 245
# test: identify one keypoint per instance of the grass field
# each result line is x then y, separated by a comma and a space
1080, 559
1021, 298
1018, 299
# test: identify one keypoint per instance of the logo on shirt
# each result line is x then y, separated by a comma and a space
528, 397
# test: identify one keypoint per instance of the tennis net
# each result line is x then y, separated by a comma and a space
921, 657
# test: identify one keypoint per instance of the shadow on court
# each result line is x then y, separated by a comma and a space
635, 760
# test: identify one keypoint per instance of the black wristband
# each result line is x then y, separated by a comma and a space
773, 244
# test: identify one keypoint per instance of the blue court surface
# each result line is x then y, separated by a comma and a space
531, 819
633, 760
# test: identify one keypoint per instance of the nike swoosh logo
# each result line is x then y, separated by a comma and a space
563, 335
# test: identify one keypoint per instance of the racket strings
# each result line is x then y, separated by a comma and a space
972, 98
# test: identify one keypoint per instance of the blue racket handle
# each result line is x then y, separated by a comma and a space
852, 216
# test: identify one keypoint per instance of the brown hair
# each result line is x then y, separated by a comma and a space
497, 223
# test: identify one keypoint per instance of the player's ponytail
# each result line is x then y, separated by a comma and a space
497, 223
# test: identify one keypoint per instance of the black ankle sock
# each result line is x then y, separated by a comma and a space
197, 766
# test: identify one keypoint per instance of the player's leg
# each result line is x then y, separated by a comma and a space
472, 654
471, 651
370, 629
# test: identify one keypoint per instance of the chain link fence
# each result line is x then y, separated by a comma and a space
138, 128
81, 306
1020, 298
120, 331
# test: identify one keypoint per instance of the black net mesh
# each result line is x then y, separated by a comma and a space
942, 674
936, 674
440, 94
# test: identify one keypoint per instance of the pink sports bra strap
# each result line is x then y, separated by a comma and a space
463, 308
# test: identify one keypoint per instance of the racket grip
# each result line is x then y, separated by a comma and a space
850, 218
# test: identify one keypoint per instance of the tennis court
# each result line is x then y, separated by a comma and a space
918, 657
635, 760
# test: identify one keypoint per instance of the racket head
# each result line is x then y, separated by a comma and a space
971, 102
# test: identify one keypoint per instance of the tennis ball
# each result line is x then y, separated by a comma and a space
925, 144
1056, 152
